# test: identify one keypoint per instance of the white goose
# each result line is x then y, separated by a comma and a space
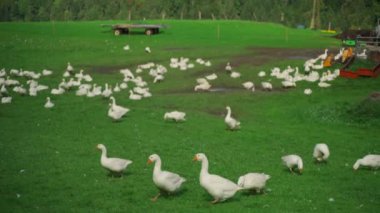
20, 89
46, 72
107, 92
164, 180
288, 83
231, 122
58, 91
307, 91
3, 90
253, 181
321, 152
147, 49
204, 86
324, 55
339, 55
262, 74
362, 55
317, 66
126, 47
80, 74
323, 84
175, 115
114, 165
66, 74
266, 86
133, 96
158, 78
218, 187
48, 103
32, 91
115, 114
82, 91
3, 72
6, 100
307, 68
211, 77
228, 67
292, 161
123, 85
235, 74
248, 85
116, 88
372, 161
69, 67
147, 94
118, 108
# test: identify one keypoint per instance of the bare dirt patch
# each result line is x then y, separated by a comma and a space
375, 96
261, 56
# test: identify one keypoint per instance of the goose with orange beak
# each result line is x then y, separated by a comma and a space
218, 187
168, 182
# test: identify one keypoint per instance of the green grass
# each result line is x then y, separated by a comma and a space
56, 148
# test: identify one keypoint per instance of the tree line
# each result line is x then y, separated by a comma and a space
341, 14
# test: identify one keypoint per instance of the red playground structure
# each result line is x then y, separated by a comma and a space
344, 72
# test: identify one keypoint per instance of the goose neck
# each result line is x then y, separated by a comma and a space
204, 169
157, 166
228, 113
104, 154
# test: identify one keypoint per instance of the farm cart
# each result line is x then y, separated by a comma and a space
149, 29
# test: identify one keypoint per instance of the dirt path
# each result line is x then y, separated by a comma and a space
261, 56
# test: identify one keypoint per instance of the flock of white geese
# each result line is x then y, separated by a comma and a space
82, 82
218, 187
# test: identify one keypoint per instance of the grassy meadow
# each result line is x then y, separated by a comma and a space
48, 160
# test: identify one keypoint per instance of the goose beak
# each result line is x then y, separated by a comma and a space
195, 158
149, 161
301, 170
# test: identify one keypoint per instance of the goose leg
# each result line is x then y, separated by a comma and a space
290, 168
156, 197
215, 201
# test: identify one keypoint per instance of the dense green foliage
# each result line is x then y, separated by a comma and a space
49, 163
342, 14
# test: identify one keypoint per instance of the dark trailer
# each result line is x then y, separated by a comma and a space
150, 29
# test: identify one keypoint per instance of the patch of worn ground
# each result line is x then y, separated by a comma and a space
261, 56
375, 96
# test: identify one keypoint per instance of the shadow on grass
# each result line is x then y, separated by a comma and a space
295, 172
208, 199
170, 196
366, 168
249, 193
117, 175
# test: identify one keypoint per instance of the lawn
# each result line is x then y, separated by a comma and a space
49, 162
